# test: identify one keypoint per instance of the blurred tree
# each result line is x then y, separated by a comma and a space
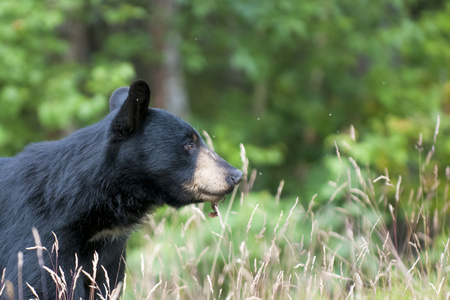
51, 85
166, 72
285, 78
298, 73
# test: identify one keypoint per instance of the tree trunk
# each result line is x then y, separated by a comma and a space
77, 34
169, 92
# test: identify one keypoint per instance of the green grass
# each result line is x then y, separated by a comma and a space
366, 237
262, 247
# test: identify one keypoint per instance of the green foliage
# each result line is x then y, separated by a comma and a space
283, 77
42, 92
302, 72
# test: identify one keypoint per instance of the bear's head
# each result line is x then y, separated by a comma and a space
161, 156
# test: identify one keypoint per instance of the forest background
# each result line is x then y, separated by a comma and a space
323, 95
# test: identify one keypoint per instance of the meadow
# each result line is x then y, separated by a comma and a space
370, 240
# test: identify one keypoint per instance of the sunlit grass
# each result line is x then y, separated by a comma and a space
368, 240
266, 248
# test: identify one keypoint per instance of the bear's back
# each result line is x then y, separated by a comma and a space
4, 160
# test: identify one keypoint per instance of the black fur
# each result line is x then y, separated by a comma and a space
91, 189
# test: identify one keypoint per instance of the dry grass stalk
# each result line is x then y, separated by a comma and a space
279, 191
361, 260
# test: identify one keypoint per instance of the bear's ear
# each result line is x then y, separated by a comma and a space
118, 97
133, 108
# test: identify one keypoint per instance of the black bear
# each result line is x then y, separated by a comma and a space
91, 189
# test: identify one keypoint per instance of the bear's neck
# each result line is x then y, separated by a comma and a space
69, 175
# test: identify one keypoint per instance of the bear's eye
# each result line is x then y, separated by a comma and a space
189, 146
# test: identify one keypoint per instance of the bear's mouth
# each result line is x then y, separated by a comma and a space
208, 196
202, 194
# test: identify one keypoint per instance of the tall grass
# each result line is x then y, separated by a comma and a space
262, 247
370, 239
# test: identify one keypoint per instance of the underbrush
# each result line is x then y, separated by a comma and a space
365, 240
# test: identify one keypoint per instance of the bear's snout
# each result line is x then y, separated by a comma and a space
213, 177
235, 177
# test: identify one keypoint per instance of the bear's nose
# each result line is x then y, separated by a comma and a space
236, 176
